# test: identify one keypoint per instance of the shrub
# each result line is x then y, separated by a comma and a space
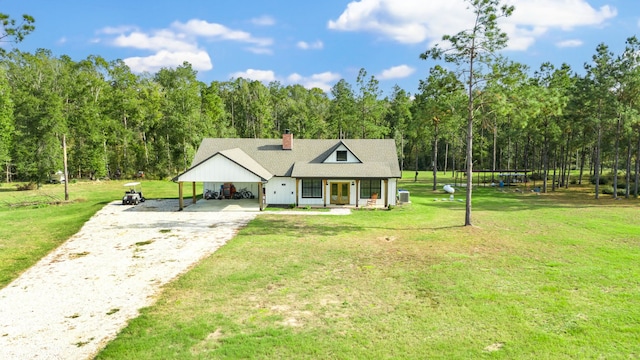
608, 190
535, 177
27, 186
604, 179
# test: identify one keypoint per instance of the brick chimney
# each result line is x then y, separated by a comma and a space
287, 140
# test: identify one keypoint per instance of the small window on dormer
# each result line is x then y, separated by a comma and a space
341, 155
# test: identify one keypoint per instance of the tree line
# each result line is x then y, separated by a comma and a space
117, 123
549, 120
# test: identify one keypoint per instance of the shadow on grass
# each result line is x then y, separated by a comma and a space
278, 226
491, 199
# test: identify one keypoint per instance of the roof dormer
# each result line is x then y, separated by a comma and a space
341, 154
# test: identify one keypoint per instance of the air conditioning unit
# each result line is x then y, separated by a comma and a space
404, 196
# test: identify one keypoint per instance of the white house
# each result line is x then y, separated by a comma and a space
317, 173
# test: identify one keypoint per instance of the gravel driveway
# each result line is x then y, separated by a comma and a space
77, 298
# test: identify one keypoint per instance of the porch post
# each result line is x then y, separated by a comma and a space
260, 196
193, 187
386, 193
357, 192
180, 199
324, 192
297, 184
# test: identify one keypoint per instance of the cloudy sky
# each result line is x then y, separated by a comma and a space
313, 43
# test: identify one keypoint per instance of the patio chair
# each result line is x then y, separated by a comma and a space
373, 200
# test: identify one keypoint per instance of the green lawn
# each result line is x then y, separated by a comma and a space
552, 276
538, 277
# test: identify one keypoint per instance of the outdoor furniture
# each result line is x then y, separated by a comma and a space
373, 200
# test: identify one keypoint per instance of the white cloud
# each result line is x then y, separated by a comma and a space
396, 72
253, 74
418, 21
111, 30
260, 50
160, 40
408, 21
569, 43
295, 78
323, 81
264, 20
521, 38
171, 47
199, 60
218, 32
310, 46
561, 14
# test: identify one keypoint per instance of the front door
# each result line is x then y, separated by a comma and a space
339, 193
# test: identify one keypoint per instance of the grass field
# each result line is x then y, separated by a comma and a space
552, 276
33, 225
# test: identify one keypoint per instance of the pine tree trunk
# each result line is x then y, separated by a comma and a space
435, 158
596, 163
495, 146
467, 219
627, 187
562, 167
146, 149
636, 186
583, 155
555, 165
467, 216
446, 156
567, 166
616, 160
545, 164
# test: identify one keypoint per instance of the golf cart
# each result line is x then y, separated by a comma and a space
133, 196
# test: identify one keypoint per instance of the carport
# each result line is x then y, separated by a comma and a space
228, 166
239, 205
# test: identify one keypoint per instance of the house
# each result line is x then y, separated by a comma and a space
306, 172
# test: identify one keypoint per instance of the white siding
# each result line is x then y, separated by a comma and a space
280, 191
354, 192
220, 169
331, 159
311, 201
393, 191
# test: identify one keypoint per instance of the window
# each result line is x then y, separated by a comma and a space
311, 188
369, 187
341, 155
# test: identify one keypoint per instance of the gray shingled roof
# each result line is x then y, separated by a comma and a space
378, 156
363, 170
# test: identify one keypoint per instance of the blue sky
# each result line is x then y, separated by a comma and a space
313, 43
